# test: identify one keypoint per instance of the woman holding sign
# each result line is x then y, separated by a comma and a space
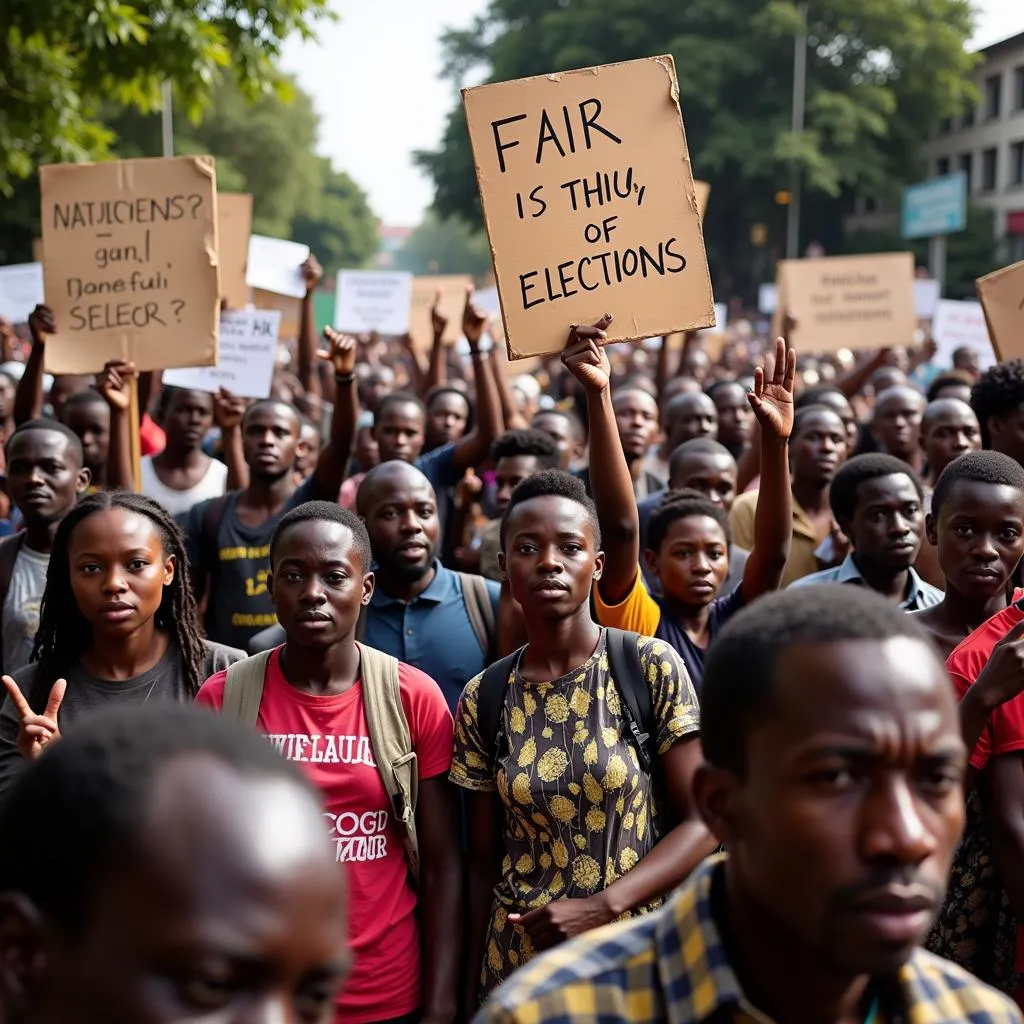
118, 623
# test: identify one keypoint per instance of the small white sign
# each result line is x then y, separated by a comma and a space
768, 298
721, 316
21, 290
373, 300
273, 266
245, 363
927, 293
958, 325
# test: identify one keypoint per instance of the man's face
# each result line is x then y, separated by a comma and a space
229, 908
188, 419
1007, 434
271, 440
401, 517
818, 447
695, 364
842, 831
897, 421
690, 416
887, 523
966, 360
636, 415
735, 417
559, 429
510, 472
447, 416
400, 432
714, 476
90, 421
949, 429
43, 476
6, 397
64, 386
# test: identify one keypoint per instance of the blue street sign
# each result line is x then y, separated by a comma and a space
936, 207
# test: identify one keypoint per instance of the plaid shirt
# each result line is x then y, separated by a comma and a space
671, 966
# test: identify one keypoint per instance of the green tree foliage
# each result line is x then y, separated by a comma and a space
61, 60
880, 72
450, 246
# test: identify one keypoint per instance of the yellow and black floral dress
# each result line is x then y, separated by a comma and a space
579, 811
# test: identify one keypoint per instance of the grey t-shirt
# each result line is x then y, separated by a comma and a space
165, 681
21, 608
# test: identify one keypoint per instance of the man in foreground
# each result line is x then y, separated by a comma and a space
165, 865
840, 804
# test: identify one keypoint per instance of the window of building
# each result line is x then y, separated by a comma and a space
1017, 163
966, 166
941, 166
946, 124
993, 97
1018, 88
968, 121
989, 173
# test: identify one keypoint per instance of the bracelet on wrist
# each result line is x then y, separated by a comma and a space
344, 378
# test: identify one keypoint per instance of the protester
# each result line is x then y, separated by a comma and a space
448, 416
45, 477
832, 774
178, 871
949, 428
735, 420
997, 399
689, 416
87, 414
896, 424
118, 624
567, 432
310, 699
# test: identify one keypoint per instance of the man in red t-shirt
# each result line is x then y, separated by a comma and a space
312, 711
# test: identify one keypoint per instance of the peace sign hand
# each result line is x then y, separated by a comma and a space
35, 732
772, 397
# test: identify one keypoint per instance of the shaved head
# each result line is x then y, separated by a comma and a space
383, 479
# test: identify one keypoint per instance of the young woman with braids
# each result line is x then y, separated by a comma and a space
118, 623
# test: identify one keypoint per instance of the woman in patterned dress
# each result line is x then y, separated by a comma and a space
566, 831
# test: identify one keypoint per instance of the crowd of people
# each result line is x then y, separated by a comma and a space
680, 681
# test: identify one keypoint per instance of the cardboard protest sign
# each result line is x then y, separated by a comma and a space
453, 301
248, 354
373, 300
703, 190
130, 263
289, 309
234, 225
848, 301
272, 265
37, 250
1002, 298
957, 325
21, 290
589, 203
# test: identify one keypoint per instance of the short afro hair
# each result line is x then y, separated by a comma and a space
997, 392
576, 425
326, 512
720, 385
842, 495
526, 442
740, 666
552, 483
274, 403
977, 467
952, 379
96, 786
74, 442
399, 398
681, 505
818, 395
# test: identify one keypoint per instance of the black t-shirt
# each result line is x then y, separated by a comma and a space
239, 605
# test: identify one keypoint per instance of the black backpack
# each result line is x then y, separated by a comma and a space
626, 670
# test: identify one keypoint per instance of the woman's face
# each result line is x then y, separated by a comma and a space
119, 570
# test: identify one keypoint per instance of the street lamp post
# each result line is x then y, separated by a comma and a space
799, 100
167, 120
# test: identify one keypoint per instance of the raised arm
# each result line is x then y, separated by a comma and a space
772, 402
114, 385
228, 411
437, 372
309, 377
332, 465
28, 397
610, 482
499, 364
474, 448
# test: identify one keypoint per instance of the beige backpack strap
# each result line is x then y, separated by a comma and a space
392, 744
243, 688
477, 599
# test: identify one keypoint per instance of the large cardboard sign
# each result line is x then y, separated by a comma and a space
589, 202
453, 289
849, 301
130, 262
1002, 296
248, 354
273, 265
21, 290
234, 225
373, 300
961, 325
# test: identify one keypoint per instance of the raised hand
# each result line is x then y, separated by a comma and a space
342, 352
438, 320
41, 324
474, 323
115, 383
584, 357
772, 397
35, 732
228, 410
311, 272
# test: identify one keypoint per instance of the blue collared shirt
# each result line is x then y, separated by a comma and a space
919, 593
433, 633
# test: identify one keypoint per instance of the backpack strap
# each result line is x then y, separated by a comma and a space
243, 688
490, 703
392, 744
628, 673
480, 611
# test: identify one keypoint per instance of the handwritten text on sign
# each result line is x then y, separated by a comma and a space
248, 353
589, 202
130, 263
